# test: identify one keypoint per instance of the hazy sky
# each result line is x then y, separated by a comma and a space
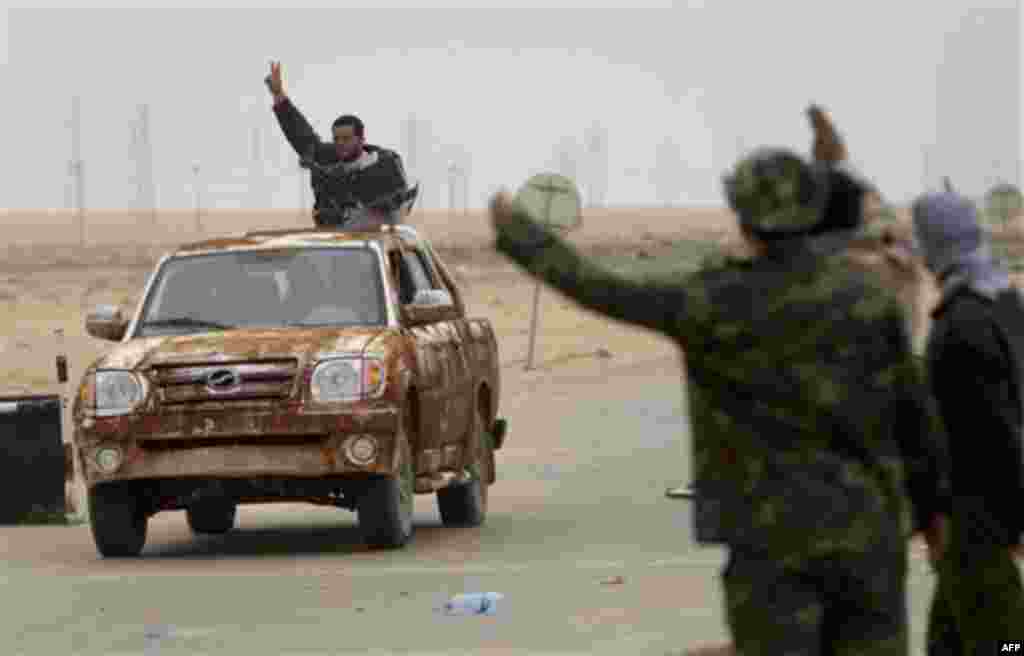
505, 85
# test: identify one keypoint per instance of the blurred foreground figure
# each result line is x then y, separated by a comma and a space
975, 354
857, 223
811, 424
356, 185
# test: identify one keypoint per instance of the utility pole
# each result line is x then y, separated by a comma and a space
77, 168
597, 173
423, 162
146, 188
925, 167
196, 196
256, 182
667, 162
69, 186
409, 137
69, 172
453, 176
741, 147
567, 158
410, 153
458, 179
133, 149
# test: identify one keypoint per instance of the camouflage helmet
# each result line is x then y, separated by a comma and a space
776, 193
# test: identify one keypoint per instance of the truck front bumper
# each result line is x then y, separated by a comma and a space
239, 445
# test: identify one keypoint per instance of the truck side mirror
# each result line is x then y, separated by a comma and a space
107, 322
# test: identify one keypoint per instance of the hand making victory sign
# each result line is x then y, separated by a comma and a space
275, 83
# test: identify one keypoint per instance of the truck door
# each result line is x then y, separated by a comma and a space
458, 387
430, 379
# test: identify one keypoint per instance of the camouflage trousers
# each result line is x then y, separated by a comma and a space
839, 604
979, 597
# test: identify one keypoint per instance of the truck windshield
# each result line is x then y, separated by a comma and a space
265, 289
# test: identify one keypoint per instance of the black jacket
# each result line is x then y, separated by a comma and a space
972, 378
379, 185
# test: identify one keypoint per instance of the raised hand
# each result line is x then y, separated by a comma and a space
501, 208
274, 81
828, 146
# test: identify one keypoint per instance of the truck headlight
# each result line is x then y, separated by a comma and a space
348, 379
116, 392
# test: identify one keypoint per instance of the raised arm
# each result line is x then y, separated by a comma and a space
296, 128
659, 306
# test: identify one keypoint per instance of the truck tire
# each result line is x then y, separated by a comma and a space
385, 507
211, 517
466, 504
117, 520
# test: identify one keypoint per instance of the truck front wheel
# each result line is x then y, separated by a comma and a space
117, 520
385, 507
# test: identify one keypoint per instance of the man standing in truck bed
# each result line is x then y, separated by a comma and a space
354, 183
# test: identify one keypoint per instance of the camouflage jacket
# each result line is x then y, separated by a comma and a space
811, 423
883, 248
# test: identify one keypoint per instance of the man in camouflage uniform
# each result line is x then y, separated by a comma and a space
811, 426
855, 223
858, 223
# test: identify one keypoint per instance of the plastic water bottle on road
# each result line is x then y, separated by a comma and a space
474, 603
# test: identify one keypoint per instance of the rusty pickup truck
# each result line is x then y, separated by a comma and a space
319, 366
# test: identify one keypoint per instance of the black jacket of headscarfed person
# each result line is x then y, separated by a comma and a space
354, 183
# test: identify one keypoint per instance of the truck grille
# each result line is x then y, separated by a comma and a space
224, 382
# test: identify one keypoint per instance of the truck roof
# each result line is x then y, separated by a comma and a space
292, 237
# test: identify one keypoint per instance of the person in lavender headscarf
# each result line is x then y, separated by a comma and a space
974, 357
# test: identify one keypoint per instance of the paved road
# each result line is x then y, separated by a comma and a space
580, 499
